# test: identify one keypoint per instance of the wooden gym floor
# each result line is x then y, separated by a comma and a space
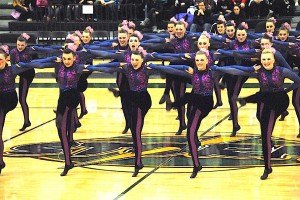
232, 166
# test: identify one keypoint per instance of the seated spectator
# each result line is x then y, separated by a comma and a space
241, 3
224, 7
209, 5
155, 10
258, 8
41, 10
181, 6
202, 18
105, 9
24, 10
237, 15
283, 7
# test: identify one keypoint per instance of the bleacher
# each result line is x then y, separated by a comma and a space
46, 30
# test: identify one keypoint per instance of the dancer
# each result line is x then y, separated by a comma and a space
138, 97
8, 95
22, 53
68, 73
272, 100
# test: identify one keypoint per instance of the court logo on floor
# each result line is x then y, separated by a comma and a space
215, 151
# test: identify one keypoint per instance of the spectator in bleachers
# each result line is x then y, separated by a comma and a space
41, 10
224, 7
181, 6
241, 3
155, 8
23, 8
258, 8
209, 4
283, 7
237, 15
202, 18
105, 9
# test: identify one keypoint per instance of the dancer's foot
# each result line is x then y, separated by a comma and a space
217, 105
66, 169
115, 92
169, 106
222, 86
72, 143
180, 130
230, 117
195, 171
283, 115
266, 173
235, 129
125, 130
2, 166
137, 169
25, 125
242, 101
164, 98
82, 114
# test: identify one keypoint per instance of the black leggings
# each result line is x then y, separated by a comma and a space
270, 106
65, 120
26, 79
82, 86
8, 102
122, 83
179, 88
234, 85
140, 104
200, 107
296, 103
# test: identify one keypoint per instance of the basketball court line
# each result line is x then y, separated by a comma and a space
22, 133
166, 161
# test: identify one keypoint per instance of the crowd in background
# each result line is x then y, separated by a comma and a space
152, 11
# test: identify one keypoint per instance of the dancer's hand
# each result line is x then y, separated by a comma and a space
58, 60
256, 67
190, 70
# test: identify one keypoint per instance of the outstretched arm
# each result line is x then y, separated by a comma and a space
179, 70
104, 54
235, 70
105, 65
292, 76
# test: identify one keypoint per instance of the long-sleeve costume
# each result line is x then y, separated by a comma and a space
8, 98
272, 100
26, 79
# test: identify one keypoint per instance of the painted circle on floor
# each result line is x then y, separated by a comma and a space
217, 151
